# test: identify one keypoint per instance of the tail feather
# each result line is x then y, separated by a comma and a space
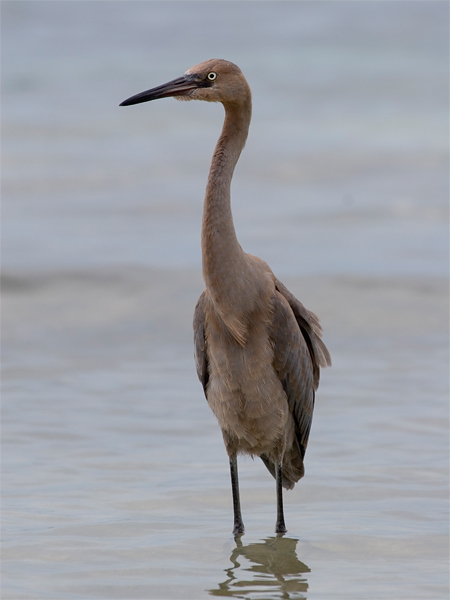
293, 468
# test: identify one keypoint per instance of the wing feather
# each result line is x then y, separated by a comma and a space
294, 366
200, 348
311, 330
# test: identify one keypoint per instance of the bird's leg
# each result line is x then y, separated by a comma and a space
280, 527
238, 523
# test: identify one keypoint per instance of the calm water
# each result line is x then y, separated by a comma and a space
115, 479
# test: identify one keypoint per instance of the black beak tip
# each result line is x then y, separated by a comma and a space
138, 99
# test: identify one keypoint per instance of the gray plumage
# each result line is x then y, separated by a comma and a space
258, 350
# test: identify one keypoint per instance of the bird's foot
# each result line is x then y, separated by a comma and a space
239, 528
280, 527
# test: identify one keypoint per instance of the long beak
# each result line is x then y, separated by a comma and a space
178, 87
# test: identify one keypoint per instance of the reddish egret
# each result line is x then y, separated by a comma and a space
258, 350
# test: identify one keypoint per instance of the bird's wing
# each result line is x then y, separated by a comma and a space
201, 356
294, 366
311, 330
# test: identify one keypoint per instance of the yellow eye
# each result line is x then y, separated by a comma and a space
211, 76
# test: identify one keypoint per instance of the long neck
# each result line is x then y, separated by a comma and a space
222, 257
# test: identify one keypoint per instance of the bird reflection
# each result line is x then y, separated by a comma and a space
272, 567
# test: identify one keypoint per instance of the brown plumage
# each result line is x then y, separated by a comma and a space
258, 350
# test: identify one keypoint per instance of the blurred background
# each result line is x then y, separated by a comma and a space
115, 480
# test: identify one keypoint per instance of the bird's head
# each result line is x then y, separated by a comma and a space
214, 80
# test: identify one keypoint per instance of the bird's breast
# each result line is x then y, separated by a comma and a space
244, 391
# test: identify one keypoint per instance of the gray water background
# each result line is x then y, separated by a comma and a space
115, 481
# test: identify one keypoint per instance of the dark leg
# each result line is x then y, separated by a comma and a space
238, 523
280, 527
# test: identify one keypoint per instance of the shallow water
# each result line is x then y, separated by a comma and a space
115, 479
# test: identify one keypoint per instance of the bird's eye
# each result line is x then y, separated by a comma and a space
211, 76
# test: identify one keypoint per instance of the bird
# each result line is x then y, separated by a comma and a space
258, 350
